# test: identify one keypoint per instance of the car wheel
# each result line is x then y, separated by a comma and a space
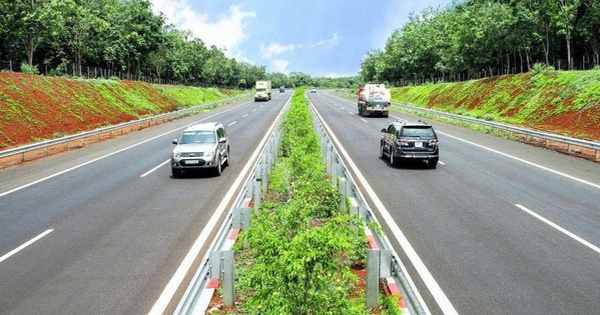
392, 160
381, 153
433, 162
218, 169
176, 172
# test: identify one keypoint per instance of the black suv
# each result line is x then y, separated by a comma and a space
409, 140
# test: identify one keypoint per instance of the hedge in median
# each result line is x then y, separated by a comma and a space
297, 256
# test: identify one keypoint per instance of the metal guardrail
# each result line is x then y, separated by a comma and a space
544, 135
195, 299
168, 116
569, 141
339, 172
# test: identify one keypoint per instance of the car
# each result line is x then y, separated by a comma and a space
282, 89
202, 145
313, 90
405, 140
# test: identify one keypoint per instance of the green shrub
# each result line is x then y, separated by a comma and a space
299, 248
29, 69
540, 67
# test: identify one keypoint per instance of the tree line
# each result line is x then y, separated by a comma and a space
66, 37
117, 35
471, 37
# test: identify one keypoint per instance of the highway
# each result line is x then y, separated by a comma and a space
499, 226
102, 230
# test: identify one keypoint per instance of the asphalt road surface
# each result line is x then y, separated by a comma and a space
102, 230
501, 227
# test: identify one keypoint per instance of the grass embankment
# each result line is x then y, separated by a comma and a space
563, 102
300, 256
34, 108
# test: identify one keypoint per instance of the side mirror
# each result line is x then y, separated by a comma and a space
222, 140
174, 141
383, 130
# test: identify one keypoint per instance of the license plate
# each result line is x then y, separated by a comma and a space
418, 144
192, 161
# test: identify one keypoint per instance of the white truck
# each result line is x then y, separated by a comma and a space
374, 99
263, 90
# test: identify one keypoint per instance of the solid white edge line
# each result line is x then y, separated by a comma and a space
165, 297
513, 157
155, 168
524, 161
110, 154
18, 249
436, 291
560, 229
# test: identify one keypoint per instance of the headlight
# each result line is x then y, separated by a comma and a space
209, 153
176, 154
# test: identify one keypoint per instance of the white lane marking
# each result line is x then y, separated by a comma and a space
110, 154
155, 168
513, 157
441, 162
524, 161
18, 249
435, 289
364, 120
245, 115
231, 124
254, 110
165, 297
560, 229
351, 113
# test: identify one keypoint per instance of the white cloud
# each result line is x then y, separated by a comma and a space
280, 65
225, 33
337, 75
275, 49
328, 42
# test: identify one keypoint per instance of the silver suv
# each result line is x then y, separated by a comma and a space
200, 146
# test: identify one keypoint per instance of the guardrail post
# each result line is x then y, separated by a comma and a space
215, 264
354, 207
241, 218
257, 194
385, 263
228, 279
372, 278
264, 175
328, 158
343, 194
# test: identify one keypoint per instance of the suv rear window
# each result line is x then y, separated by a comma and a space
417, 131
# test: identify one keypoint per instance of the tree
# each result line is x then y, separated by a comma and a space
564, 13
33, 22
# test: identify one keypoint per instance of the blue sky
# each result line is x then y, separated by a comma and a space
322, 38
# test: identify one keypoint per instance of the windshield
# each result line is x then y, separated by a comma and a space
261, 90
417, 132
197, 137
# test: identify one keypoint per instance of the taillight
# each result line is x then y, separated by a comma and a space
434, 142
402, 142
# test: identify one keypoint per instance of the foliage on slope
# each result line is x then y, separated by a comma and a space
565, 102
38, 107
